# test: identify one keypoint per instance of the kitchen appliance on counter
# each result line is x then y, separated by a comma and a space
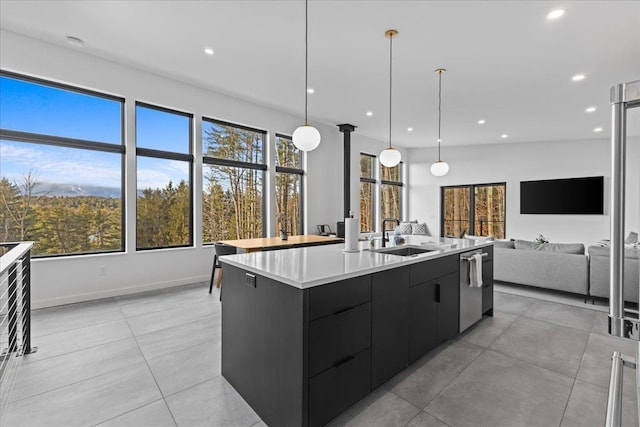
470, 288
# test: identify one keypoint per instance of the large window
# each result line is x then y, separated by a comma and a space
61, 167
367, 193
391, 192
232, 180
474, 209
164, 164
289, 175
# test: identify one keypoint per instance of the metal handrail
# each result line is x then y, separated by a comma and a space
621, 324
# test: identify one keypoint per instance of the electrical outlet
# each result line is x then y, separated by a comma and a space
250, 280
102, 270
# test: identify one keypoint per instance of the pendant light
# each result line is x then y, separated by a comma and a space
390, 157
306, 137
439, 168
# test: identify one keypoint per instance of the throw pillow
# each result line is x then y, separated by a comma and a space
404, 227
631, 238
420, 228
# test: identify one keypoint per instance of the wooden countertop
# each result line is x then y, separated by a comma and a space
265, 243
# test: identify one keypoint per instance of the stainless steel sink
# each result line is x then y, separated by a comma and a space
403, 250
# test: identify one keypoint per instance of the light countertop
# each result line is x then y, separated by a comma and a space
317, 265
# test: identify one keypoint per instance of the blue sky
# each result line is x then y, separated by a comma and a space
30, 107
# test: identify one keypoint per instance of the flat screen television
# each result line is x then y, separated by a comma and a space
575, 196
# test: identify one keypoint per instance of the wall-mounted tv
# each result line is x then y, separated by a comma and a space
577, 196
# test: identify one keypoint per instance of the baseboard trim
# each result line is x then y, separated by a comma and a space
72, 299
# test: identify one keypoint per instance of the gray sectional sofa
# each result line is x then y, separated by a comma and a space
599, 272
558, 266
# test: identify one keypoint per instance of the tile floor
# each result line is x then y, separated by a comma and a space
153, 359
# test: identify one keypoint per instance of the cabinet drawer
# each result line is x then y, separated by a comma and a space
338, 296
429, 270
336, 389
336, 337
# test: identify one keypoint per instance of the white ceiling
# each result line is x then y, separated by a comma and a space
507, 64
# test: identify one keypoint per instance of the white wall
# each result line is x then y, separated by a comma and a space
75, 278
512, 163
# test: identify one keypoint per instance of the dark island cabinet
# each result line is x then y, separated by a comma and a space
300, 357
433, 304
389, 324
487, 281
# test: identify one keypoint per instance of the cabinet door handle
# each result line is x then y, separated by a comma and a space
345, 310
343, 361
437, 292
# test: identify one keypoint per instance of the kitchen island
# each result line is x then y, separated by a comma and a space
308, 332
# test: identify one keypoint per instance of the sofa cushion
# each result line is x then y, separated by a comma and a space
507, 244
631, 238
630, 253
565, 248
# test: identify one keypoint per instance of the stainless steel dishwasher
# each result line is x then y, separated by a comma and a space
470, 295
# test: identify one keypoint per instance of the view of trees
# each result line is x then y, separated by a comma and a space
232, 197
163, 216
390, 192
288, 187
488, 207
58, 224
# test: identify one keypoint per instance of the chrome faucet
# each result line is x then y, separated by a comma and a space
384, 221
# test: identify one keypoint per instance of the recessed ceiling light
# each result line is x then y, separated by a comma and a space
409, 129
481, 122
504, 135
75, 41
369, 113
310, 90
208, 51
590, 110
597, 129
578, 77
555, 14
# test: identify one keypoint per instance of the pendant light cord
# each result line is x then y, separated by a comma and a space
390, 82
306, 59
439, 110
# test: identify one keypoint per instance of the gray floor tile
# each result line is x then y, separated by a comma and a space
74, 316
156, 321
588, 407
544, 344
87, 402
601, 324
497, 390
78, 339
563, 315
155, 414
424, 419
59, 371
167, 301
212, 403
420, 387
180, 370
165, 341
386, 410
509, 303
595, 367
259, 424
486, 331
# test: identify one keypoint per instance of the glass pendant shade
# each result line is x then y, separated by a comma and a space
439, 168
390, 157
306, 138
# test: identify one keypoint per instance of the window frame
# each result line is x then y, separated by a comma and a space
218, 161
396, 184
167, 155
472, 205
76, 143
293, 171
370, 180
